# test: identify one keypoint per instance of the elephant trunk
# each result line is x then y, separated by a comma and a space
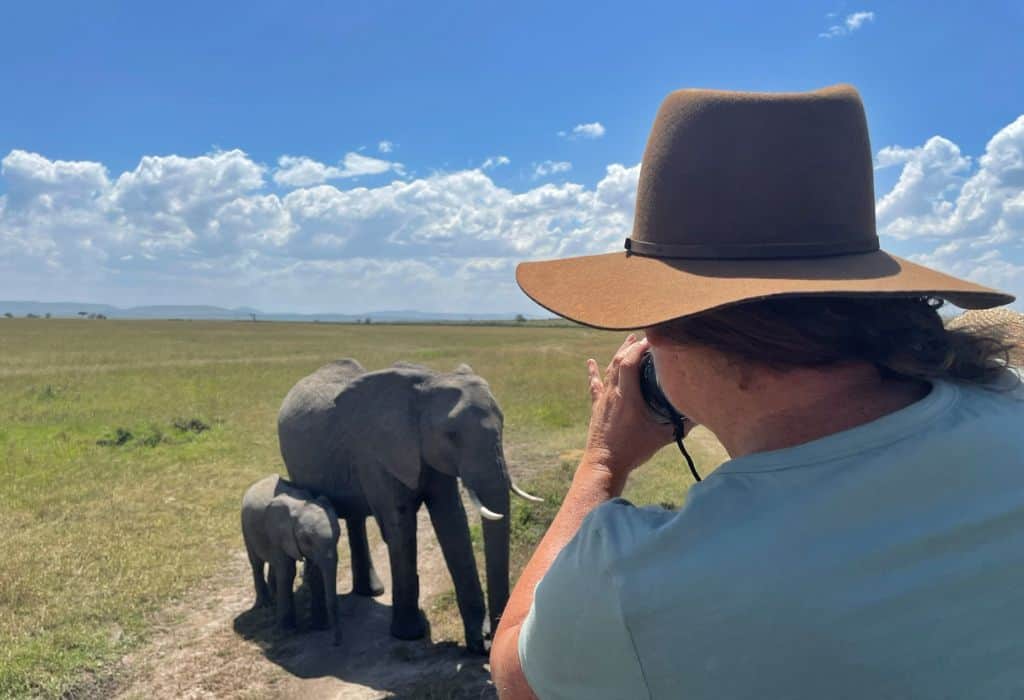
496, 546
330, 576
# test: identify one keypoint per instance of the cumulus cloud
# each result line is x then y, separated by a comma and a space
851, 23
300, 171
551, 167
212, 229
963, 216
385, 146
593, 130
205, 229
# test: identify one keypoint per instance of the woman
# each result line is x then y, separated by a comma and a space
866, 538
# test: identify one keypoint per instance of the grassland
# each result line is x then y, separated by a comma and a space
125, 446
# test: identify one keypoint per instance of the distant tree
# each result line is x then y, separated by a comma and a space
47, 315
101, 316
253, 317
367, 320
8, 315
83, 314
520, 318
31, 316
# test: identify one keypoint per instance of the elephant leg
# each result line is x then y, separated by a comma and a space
399, 527
284, 579
313, 577
263, 599
364, 578
452, 528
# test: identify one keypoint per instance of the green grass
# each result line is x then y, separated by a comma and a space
113, 499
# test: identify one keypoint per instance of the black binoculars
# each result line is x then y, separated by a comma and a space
661, 407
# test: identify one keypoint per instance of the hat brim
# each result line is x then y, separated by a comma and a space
619, 291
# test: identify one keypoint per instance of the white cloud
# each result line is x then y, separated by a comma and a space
495, 161
207, 230
211, 229
550, 167
300, 171
851, 23
940, 192
385, 146
960, 215
593, 130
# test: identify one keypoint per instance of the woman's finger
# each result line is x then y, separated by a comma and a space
629, 362
611, 375
595, 380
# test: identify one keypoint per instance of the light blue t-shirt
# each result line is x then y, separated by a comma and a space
885, 561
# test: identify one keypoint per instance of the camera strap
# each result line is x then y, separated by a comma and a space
679, 424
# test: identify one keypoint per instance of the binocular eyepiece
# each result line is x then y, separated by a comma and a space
654, 397
662, 409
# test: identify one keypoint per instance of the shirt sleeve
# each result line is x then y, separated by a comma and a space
574, 643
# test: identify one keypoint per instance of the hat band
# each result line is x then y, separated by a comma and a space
748, 251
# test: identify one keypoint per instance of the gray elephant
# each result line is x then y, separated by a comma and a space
382, 444
282, 524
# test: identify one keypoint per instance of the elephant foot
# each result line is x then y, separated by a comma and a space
262, 603
478, 638
370, 588
478, 646
409, 626
287, 624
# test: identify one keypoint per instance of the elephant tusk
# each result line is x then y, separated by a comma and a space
485, 512
490, 514
522, 494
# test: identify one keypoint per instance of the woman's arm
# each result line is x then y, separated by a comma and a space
621, 437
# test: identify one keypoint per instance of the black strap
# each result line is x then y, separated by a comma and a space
680, 430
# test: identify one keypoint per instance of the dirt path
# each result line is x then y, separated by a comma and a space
212, 646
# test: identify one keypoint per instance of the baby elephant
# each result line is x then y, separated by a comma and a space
281, 524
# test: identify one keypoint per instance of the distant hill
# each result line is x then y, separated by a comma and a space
64, 309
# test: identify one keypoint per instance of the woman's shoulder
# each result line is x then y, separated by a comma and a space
617, 528
1003, 396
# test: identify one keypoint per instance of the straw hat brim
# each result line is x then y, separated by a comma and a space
619, 291
1005, 324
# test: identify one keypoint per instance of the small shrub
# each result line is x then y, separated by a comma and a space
48, 392
152, 438
120, 437
191, 425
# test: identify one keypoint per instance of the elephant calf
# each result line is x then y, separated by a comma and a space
282, 524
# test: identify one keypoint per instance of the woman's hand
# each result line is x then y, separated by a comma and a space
622, 435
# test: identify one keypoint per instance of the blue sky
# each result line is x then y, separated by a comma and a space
364, 156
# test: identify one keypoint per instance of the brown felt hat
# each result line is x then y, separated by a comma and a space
744, 196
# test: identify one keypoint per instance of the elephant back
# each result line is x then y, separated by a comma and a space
341, 421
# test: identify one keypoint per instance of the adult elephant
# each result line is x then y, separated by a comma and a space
383, 443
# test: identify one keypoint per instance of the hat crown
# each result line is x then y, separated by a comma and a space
756, 175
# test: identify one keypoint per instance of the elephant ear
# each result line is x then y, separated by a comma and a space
281, 517
378, 425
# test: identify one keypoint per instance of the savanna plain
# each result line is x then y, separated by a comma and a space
125, 447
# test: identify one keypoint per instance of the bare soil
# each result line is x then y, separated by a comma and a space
211, 645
